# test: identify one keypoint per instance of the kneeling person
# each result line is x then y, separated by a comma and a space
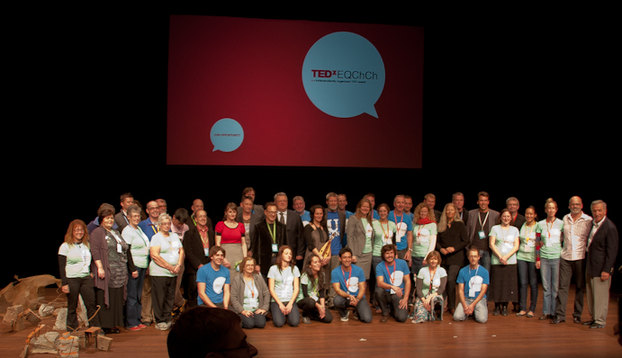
392, 284
348, 281
473, 281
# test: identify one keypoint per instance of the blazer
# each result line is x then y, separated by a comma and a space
295, 238
256, 218
473, 221
193, 248
261, 242
237, 292
603, 249
355, 233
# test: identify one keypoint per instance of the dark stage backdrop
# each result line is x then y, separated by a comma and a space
510, 106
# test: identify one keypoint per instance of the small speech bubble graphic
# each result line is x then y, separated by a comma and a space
227, 135
343, 75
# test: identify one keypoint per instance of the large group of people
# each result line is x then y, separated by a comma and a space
138, 266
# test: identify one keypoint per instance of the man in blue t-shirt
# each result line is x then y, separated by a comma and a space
392, 284
214, 281
336, 225
473, 281
404, 224
349, 283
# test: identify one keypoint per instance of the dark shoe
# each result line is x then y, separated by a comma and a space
384, 319
545, 316
496, 312
597, 325
504, 311
588, 323
111, 330
557, 320
576, 320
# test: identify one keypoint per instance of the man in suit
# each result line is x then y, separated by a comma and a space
479, 223
602, 248
196, 242
268, 236
293, 223
121, 218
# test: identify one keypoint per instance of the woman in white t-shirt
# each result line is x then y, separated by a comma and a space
74, 265
504, 243
284, 283
167, 257
430, 287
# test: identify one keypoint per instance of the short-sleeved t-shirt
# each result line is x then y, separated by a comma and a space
504, 242
313, 287
393, 274
229, 235
431, 283
78, 259
473, 279
283, 281
348, 280
527, 249
404, 224
422, 236
383, 235
139, 242
215, 281
551, 237
169, 251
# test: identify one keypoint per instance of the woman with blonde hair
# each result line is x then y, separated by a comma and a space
451, 243
74, 265
360, 235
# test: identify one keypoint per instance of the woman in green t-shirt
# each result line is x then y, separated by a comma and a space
526, 261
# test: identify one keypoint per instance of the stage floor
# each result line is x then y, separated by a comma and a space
509, 336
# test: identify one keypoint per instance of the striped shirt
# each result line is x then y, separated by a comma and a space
575, 236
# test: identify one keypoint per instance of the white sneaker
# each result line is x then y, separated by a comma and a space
345, 318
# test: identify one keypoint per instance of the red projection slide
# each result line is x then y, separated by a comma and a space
259, 92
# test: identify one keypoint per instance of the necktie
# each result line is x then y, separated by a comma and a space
282, 219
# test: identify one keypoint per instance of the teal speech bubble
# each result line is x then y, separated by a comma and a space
227, 135
343, 75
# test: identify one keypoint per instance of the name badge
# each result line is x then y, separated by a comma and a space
482, 235
275, 248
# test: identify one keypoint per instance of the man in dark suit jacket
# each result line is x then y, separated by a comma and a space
479, 223
602, 249
293, 223
268, 236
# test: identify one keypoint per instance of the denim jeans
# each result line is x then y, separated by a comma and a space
278, 318
549, 269
484, 259
480, 312
133, 306
527, 278
362, 308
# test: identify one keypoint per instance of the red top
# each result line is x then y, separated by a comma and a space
228, 235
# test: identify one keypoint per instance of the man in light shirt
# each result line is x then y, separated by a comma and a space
577, 226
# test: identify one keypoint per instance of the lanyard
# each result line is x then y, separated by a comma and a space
251, 287
385, 233
389, 272
479, 217
344, 276
272, 232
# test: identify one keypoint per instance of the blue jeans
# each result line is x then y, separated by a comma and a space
362, 308
549, 269
484, 259
133, 306
527, 278
278, 318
